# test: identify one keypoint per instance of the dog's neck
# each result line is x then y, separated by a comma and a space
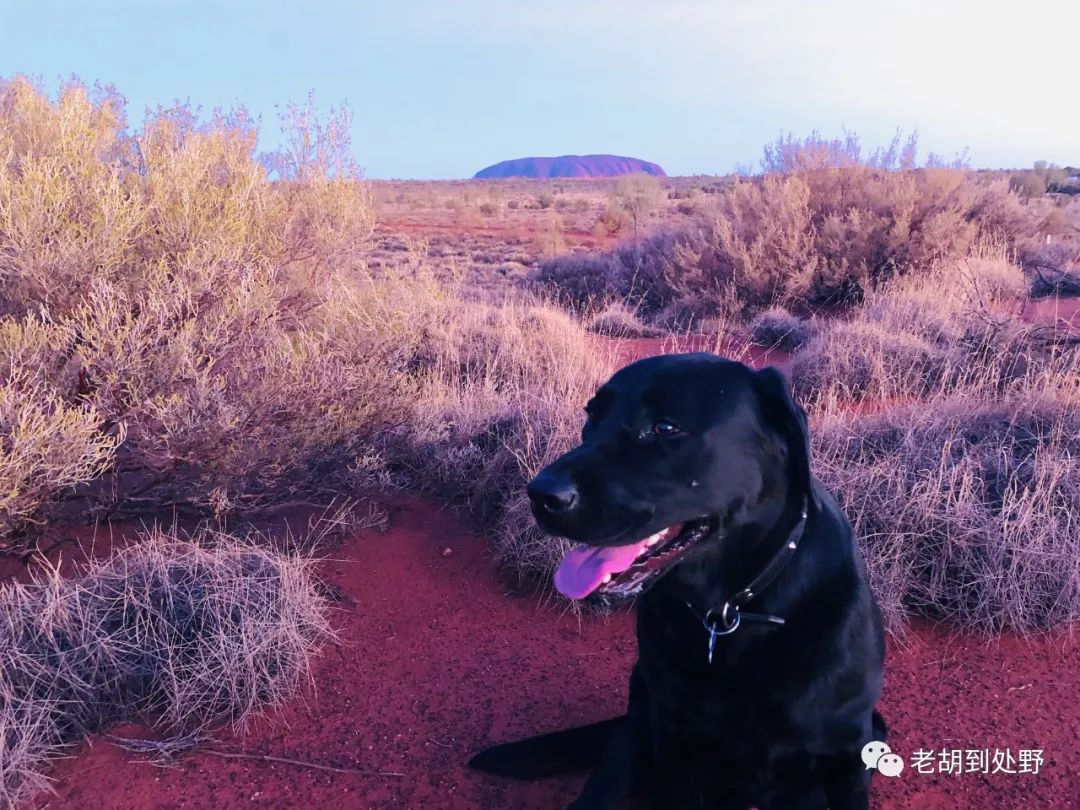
748, 539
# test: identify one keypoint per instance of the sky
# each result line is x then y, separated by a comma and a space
441, 89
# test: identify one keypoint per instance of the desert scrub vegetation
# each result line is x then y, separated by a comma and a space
179, 633
224, 347
821, 226
618, 320
500, 393
776, 327
174, 315
966, 507
956, 326
961, 478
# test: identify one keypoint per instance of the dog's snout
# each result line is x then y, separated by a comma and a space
553, 494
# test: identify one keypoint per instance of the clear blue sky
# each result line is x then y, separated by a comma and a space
441, 89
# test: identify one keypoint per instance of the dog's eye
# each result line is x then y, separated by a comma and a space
665, 428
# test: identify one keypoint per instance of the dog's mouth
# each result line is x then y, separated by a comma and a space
617, 573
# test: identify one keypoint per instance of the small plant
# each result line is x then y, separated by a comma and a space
180, 634
611, 222
637, 195
778, 328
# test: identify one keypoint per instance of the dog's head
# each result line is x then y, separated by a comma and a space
675, 449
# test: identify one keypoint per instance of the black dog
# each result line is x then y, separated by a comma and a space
760, 646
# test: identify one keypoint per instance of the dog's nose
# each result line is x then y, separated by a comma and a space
553, 494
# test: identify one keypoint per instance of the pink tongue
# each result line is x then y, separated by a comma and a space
584, 567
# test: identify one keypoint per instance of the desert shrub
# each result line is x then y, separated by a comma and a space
551, 241
544, 201
825, 226
611, 221
965, 508
956, 326
620, 321
46, 446
1054, 265
160, 286
181, 634
779, 328
488, 209
636, 195
580, 281
639, 273
513, 204
497, 384
861, 359
1028, 184
832, 235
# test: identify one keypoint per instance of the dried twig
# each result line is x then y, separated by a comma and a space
299, 762
165, 751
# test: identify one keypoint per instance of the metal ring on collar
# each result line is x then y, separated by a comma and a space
729, 620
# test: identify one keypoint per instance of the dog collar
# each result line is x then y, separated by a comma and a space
726, 619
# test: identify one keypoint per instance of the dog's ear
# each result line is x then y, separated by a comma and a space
785, 416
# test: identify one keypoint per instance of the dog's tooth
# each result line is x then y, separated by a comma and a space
606, 579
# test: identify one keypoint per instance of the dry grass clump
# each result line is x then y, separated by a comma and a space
778, 328
183, 634
501, 391
620, 321
966, 508
964, 488
861, 359
955, 326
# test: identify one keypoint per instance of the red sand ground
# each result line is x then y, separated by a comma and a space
522, 230
439, 657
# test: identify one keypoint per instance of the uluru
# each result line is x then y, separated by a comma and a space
571, 166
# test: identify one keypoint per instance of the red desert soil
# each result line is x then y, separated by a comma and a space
439, 657
573, 236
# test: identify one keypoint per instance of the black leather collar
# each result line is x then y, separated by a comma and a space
727, 618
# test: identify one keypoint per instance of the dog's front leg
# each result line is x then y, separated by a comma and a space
625, 761
612, 780
846, 781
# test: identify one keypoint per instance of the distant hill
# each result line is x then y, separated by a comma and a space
571, 166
